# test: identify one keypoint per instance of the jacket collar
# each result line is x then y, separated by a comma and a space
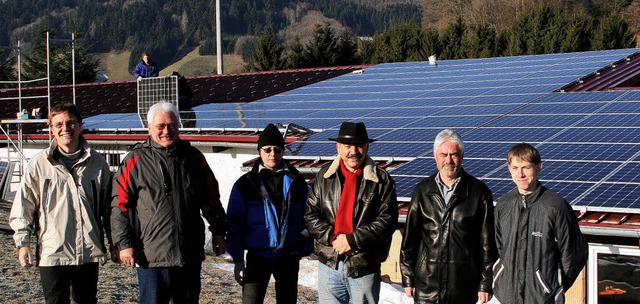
368, 171
84, 145
178, 145
284, 165
533, 196
462, 188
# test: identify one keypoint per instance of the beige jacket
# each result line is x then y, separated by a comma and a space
67, 210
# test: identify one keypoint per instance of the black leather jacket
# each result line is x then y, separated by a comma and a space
448, 251
375, 217
554, 251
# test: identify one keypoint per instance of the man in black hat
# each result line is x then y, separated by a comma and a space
352, 213
265, 218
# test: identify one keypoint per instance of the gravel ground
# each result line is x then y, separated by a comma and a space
118, 284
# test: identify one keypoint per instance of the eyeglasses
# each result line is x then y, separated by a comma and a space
275, 150
171, 126
70, 124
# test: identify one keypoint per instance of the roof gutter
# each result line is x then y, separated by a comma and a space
608, 231
133, 142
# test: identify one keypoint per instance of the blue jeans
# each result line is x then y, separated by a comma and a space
335, 287
161, 284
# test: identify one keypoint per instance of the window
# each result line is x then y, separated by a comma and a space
613, 274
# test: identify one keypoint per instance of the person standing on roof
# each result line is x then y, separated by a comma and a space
542, 250
185, 95
352, 212
159, 191
265, 219
448, 244
64, 201
145, 68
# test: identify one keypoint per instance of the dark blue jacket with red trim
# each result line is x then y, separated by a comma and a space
156, 201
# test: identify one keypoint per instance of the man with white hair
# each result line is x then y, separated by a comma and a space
448, 245
158, 192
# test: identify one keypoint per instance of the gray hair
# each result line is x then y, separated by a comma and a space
164, 107
448, 135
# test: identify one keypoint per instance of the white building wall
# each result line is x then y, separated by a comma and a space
226, 165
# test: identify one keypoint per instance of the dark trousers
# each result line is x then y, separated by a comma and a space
258, 271
161, 284
82, 280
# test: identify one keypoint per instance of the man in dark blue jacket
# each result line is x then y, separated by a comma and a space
265, 216
145, 68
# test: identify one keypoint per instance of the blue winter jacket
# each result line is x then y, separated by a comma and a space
254, 225
146, 70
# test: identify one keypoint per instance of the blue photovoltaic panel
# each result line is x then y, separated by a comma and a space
484, 167
405, 185
473, 149
6, 170
576, 171
500, 99
581, 97
631, 96
589, 141
443, 121
554, 108
628, 173
591, 152
537, 120
622, 107
499, 187
612, 120
129, 120
477, 167
424, 136
569, 190
514, 134
608, 196
420, 166
598, 135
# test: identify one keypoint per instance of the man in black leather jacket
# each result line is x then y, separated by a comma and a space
448, 245
351, 213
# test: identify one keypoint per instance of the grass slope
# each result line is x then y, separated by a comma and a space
114, 64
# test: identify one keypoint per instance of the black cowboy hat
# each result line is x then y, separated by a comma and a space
352, 133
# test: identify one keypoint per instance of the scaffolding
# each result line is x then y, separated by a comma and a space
15, 147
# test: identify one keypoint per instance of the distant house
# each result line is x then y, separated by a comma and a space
581, 110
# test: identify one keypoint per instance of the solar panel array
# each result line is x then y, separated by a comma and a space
589, 141
153, 90
6, 169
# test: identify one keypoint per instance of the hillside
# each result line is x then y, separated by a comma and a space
114, 65
183, 31
167, 28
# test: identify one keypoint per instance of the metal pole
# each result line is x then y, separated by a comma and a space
73, 64
48, 79
218, 38
19, 79
48, 85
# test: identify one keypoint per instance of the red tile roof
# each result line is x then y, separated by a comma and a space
121, 97
622, 74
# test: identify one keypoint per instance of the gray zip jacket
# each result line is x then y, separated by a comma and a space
539, 261
67, 211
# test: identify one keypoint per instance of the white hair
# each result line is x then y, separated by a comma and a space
448, 135
164, 107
